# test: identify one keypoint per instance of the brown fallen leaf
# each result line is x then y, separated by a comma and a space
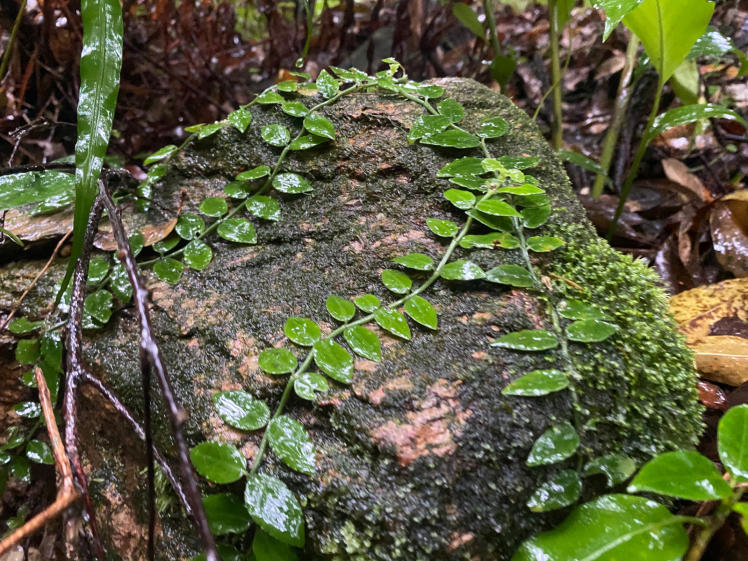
728, 222
677, 172
152, 233
711, 395
714, 319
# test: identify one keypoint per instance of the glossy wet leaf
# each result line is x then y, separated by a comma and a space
537, 383
525, 189
302, 331
197, 254
527, 340
290, 442
668, 30
396, 281
518, 162
275, 509
20, 469
494, 240
513, 275
616, 468
367, 302
168, 270
636, 529
21, 326
712, 44
554, 445
218, 462
31, 187
689, 114
214, 206
208, 130
307, 141
614, 12
241, 410
340, 308
461, 199
334, 360
442, 228
421, 311
39, 452
269, 97
534, 217
276, 135
226, 514
308, 383
462, 166
291, 183
575, 309
327, 85
467, 17
425, 125
27, 351
264, 207
363, 342
451, 109
189, 225
237, 190
277, 361
319, 125
241, 118
462, 270
684, 474
392, 321
267, 548
732, 442
590, 330
452, 138
416, 261
493, 128
287, 86
430, 91
160, 154
294, 108
136, 241
561, 490
254, 173
542, 244
97, 269
27, 409
239, 230
97, 309
495, 207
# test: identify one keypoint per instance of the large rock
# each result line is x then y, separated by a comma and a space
421, 457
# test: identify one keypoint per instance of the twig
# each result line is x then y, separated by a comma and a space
66, 494
9, 47
151, 359
39, 275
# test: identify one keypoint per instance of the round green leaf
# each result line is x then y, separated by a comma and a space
290, 442
430, 91
294, 108
367, 302
226, 514
21, 326
495, 207
425, 125
119, 282
513, 275
683, 474
254, 173
197, 254
277, 361
276, 135
574, 309
308, 383
27, 351
519, 162
417, 261
208, 130
537, 382
526, 189
472, 182
291, 183
636, 529
287, 86
267, 548
452, 138
554, 445
240, 119
319, 125
39, 452
396, 281
97, 269
420, 310
236, 190
535, 217
189, 225
214, 206
241, 410
442, 228
451, 109
168, 269
363, 342
327, 85
461, 167
97, 309
493, 128
218, 462
461, 199
340, 308
160, 154
306, 141
275, 509
264, 207
527, 340
462, 270
732, 442
239, 230
500, 223
615, 467
493, 240
561, 490
541, 244
334, 360
166, 245
302, 331
590, 330
392, 321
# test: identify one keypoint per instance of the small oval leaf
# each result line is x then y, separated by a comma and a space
495, 207
290, 442
239, 230
291, 183
276, 135
392, 321
340, 308
363, 342
277, 361
554, 445
308, 383
218, 462
416, 261
334, 360
527, 340
538, 382
542, 244
275, 509
442, 228
197, 254
462, 270
302, 331
264, 207
493, 128
226, 514
590, 330
561, 490
367, 302
452, 138
168, 270
319, 125
241, 410
421, 311
513, 275
254, 173
461, 199
396, 281
214, 206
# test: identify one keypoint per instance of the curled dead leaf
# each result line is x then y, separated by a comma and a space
728, 222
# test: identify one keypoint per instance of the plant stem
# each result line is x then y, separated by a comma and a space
9, 47
557, 131
702, 539
641, 150
491, 22
619, 112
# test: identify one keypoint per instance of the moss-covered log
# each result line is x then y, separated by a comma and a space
421, 458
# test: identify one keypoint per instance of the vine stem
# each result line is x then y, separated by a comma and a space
696, 551
557, 137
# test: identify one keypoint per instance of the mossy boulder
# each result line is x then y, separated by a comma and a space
420, 458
